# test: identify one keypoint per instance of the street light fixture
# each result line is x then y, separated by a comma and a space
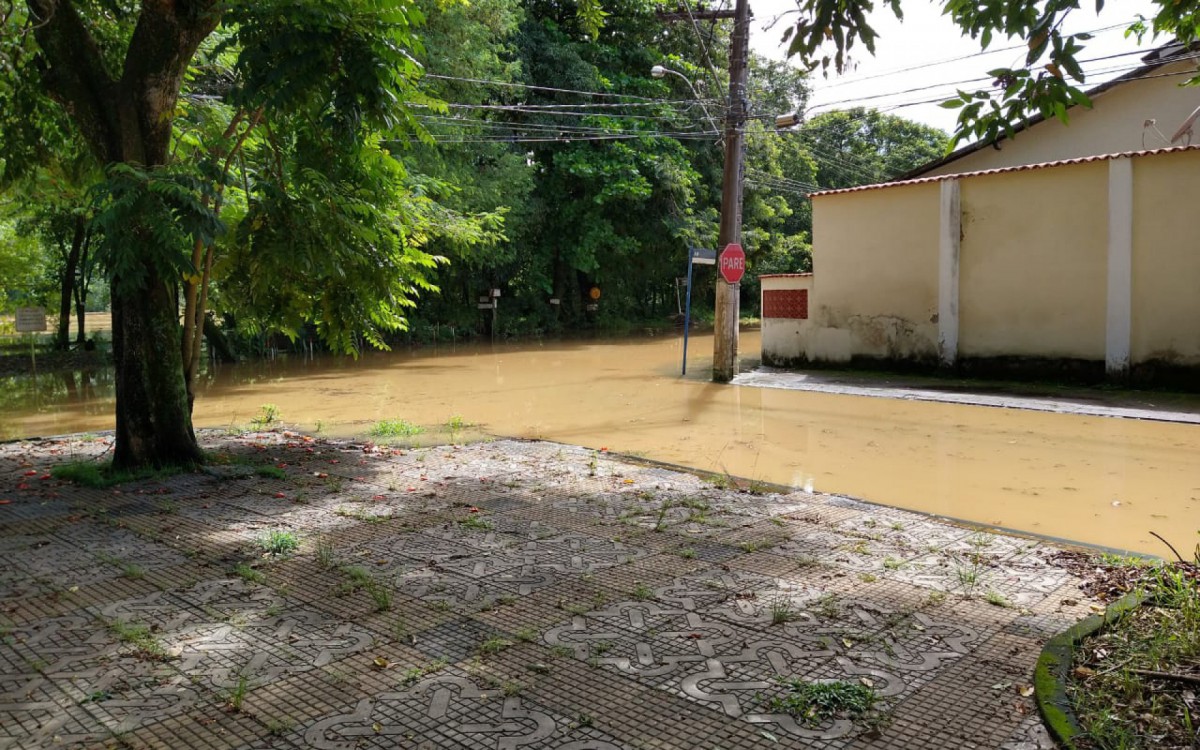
660, 71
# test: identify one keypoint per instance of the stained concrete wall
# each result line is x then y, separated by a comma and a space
1026, 277
1115, 124
875, 257
1166, 260
1033, 263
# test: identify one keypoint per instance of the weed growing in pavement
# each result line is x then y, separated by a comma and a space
477, 523
325, 554
782, 611
381, 595
996, 599
688, 553
238, 693
270, 472
493, 646
969, 574
356, 578
813, 703
891, 563
414, 675
279, 542
593, 463
511, 688
562, 652
140, 637
249, 574
526, 635
279, 727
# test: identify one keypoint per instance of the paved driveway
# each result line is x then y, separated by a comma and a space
499, 595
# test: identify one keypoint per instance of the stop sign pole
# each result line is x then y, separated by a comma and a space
725, 335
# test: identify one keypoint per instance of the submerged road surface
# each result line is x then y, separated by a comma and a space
1101, 480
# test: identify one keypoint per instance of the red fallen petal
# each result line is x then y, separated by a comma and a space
281, 466
378, 497
44, 477
334, 461
695, 635
604, 450
280, 495
472, 509
308, 450
22, 486
5, 502
412, 489
31, 473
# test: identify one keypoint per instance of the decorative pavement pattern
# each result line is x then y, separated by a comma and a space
498, 595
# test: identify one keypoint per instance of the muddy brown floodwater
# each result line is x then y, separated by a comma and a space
1099, 480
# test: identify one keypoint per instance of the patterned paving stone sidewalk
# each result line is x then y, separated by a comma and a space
497, 595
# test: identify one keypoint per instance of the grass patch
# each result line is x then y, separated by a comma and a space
103, 475
1134, 682
249, 574
395, 428
814, 703
477, 523
270, 472
140, 637
279, 542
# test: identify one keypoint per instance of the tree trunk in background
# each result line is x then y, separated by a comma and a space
67, 284
81, 292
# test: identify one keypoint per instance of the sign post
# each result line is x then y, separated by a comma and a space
31, 320
696, 255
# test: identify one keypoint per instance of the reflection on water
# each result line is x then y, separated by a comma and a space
1100, 480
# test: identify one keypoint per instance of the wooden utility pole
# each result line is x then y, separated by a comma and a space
725, 339
725, 335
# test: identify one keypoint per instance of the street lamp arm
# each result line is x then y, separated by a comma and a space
658, 71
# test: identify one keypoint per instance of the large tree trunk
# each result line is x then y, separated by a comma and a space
130, 119
154, 426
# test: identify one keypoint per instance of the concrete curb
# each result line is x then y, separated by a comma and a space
1054, 667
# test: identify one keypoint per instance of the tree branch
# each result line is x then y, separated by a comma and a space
75, 74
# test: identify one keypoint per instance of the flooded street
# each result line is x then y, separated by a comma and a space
1100, 480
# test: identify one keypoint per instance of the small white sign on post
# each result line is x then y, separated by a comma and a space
31, 319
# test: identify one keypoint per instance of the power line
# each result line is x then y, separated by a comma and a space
532, 87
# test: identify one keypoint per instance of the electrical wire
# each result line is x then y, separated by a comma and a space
551, 89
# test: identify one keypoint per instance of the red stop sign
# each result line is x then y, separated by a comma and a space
732, 263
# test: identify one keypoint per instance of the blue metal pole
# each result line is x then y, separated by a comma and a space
687, 315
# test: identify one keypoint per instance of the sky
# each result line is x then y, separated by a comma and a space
947, 59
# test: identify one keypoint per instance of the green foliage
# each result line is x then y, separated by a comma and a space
1047, 81
816, 702
148, 218
395, 428
103, 475
279, 542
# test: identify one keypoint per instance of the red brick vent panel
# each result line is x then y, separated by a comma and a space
785, 303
